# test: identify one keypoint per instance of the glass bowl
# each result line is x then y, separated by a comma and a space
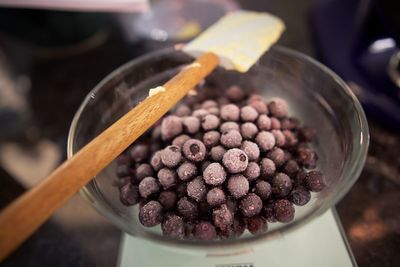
315, 94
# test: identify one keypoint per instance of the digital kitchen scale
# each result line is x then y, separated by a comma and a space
321, 242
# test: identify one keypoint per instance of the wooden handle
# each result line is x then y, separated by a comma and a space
22, 217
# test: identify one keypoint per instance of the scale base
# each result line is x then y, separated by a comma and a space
319, 243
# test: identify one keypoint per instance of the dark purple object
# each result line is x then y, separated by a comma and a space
250, 205
150, 214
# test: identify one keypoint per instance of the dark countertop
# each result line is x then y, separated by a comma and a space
77, 236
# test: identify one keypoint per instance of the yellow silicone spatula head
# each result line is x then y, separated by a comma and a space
239, 38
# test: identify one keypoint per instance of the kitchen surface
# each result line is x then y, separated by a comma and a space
47, 68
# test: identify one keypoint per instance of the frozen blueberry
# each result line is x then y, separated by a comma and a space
223, 101
283, 210
279, 137
264, 122
171, 126
187, 209
122, 181
291, 168
194, 150
200, 113
230, 112
248, 113
187, 171
209, 104
288, 155
303, 145
255, 97
263, 190
251, 205
205, 211
209, 91
196, 189
239, 225
211, 138
235, 93
129, 194
290, 138
123, 171
235, 160
290, 123
167, 178
260, 106
171, 156
173, 226
148, 187
199, 136
268, 167
281, 185
265, 140
232, 204
156, 133
191, 125
226, 233
315, 181
214, 111
275, 123
144, 170
180, 140
204, 231
231, 138
299, 196
285, 123
277, 155
214, 174
251, 149
183, 111
181, 190
307, 134
294, 123
268, 212
139, 152
123, 159
252, 171
307, 157
238, 186
168, 199
248, 130
155, 146
228, 125
204, 165
300, 177
215, 197
278, 107
191, 99
222, 217
210, 122
217, 153
156, 162
257, 225
150, 214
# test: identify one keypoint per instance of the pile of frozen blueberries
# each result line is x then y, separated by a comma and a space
221, 162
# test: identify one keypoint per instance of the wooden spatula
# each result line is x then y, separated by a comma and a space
238, 39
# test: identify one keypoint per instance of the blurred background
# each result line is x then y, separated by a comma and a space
52, 54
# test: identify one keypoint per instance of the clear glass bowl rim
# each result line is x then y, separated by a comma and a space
350, 171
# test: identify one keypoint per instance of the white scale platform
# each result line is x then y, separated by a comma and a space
319, 243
